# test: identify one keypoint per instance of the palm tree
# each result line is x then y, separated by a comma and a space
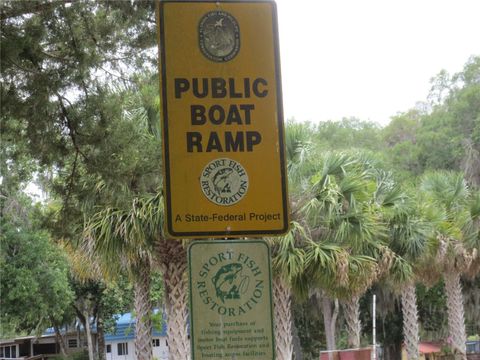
131, 240
340, 214
123, 240
287, 264
408, 238
172, 258
455, 213
287, 252
126, 233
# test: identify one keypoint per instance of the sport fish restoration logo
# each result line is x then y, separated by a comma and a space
224, 181
230, 290
231, 284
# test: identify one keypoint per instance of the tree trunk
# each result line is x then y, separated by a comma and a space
81, 309
297, 346
410, 321
143, 313
283, 319
88, 334
60, 340
351, 309
173, 259
329, 321
101, 337
456, 315
333, 323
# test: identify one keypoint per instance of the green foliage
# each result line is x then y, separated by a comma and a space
115, 298
471, 293
78, 355
348, 133
446, 136
431, 311
309, 324
389, 329
80, 104
128, 235
56, 60
80, 111
287, 252
157, 296
34, 278
72, 104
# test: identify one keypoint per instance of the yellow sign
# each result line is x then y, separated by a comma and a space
222, 119
230, 300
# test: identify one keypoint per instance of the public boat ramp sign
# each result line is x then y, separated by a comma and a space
222, 119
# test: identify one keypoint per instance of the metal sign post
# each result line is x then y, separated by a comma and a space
374, 327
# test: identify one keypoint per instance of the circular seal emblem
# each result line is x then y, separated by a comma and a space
224, 181
219, 36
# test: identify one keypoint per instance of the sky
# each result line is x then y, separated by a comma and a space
370, 59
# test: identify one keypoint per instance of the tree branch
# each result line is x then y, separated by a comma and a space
71, 130
30, 7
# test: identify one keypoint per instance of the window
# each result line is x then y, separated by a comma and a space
166, 343
109, 349
156, 342
72, 343
473, 346
122, 348
8, 352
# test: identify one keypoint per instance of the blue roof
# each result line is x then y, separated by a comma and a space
125, 329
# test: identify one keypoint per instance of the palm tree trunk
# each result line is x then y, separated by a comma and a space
351, 308
329, 321
101, 337
88, 334
297, 346
410, 321
283, 319
143, 313
456, 315
173, 260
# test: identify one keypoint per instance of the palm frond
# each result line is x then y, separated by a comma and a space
125, 237
287, 252
401, 271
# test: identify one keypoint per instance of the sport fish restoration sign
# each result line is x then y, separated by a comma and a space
222, 119
230, 300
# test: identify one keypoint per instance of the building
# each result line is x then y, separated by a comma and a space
40, 347
435, 351
118, 345
427, 350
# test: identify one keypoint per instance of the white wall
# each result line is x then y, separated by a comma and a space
114, 354
159, 352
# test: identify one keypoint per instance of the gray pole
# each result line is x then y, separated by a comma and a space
374, 328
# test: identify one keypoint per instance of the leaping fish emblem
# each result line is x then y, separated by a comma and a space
229, 282
220, 181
